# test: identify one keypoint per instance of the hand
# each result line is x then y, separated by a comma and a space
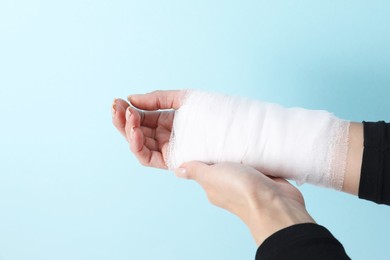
265, 204
148, 132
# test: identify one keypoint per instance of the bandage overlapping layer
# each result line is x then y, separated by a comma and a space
307, 146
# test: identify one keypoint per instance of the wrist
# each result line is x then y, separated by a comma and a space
265, 219
354, 159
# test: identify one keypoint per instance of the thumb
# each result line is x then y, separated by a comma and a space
161, 99
194, 170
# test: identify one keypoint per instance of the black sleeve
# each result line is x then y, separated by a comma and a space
301, 241
375, 173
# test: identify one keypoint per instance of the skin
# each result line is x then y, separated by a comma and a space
147, 131
354, 159
264, 204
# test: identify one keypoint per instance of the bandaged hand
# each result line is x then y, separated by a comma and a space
308, 146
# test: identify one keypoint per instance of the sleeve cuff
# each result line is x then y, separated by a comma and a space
375, 178
301, 241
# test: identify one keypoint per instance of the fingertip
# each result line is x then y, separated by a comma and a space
133, 119
181, 173
128, 114
194, 169
113, 107
118, 108
133, 99
121, 103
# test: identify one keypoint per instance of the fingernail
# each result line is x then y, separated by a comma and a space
181, 173
128, 114
113, 107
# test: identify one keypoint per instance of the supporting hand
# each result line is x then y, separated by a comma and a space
265, 204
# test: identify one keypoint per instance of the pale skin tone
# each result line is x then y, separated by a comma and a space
265, 204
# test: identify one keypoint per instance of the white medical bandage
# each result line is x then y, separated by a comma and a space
294, 143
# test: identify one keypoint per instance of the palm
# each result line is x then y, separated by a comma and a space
148, 132
155, 131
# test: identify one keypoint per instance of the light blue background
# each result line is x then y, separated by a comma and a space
69, 187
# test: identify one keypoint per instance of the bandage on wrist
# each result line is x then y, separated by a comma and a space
308, 146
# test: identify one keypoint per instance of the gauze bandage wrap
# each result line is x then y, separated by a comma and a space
294, 143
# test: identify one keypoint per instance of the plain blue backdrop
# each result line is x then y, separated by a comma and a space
70, 188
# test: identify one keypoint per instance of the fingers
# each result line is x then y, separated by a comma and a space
152, 119
145, 155
142, 143
133, 120
145, 118
195, 170
149, 119
134, 134
162, 99
118, 115
147, 132
146, 121
145, 149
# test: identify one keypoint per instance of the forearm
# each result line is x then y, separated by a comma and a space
354, 159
